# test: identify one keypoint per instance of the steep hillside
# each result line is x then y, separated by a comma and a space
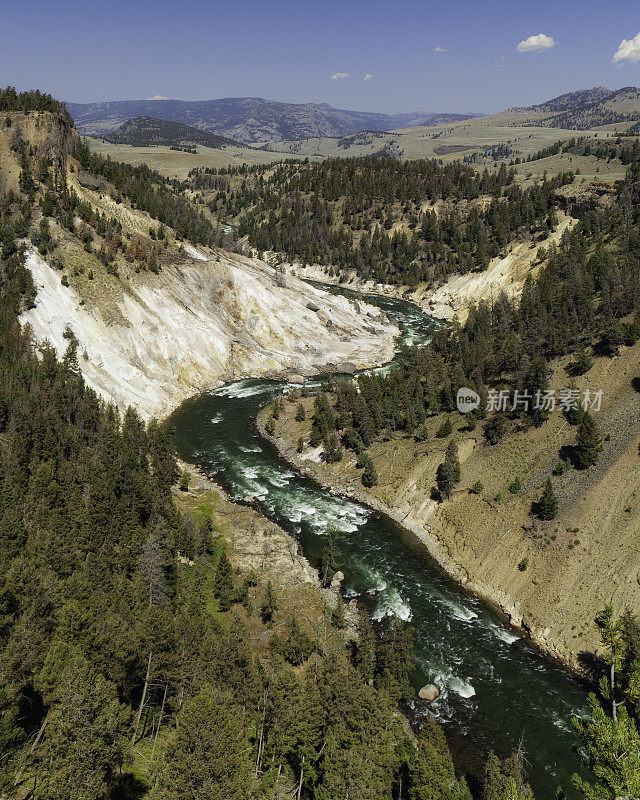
51, 137
532, 503
156, 319
246, 119
572, 565
205, 318
147, 131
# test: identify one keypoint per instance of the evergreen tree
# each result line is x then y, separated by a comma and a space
269, 604
612, 640
11, 735
431, 772
612, 753
445, 428
369, 474
448, 473
588, 444
205, 757
548, 504
445, 479
395, 659
223, 583
83, 745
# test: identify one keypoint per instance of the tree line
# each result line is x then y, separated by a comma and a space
379, 216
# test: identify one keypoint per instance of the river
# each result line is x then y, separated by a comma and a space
497, 690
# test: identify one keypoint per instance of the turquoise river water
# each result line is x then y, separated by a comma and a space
497, 690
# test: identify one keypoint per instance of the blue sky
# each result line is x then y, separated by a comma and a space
285, 50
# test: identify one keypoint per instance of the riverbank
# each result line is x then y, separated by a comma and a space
257, 544
459, 644
435, 547
548, 578
506, 273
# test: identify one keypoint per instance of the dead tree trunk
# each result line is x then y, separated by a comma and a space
143, 698
155, 738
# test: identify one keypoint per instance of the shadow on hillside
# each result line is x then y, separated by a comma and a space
128, 787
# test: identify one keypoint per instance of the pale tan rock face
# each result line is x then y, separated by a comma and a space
209, 319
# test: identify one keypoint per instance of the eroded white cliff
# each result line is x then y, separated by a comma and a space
208, 319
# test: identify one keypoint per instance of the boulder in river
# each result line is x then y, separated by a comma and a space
430, 692
338, 577
297, 379
347, 367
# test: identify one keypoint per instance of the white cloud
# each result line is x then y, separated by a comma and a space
438, 49
339, 76
367, 76
159, 97
537, 43
629, 50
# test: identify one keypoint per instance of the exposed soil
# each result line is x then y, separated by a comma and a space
549, 577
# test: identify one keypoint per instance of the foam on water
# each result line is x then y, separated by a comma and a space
446, 680
391, 604
461, 687
504, 635
241, 389
218, 418
250, 449
561, 723
277, 482
459, 611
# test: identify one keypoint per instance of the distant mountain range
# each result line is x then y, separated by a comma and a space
587, 108
249, 119
148, 131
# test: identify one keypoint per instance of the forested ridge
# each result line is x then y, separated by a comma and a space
127, 667
34, 100
150, 191
381, 216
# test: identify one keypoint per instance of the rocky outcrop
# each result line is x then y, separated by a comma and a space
208, 318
